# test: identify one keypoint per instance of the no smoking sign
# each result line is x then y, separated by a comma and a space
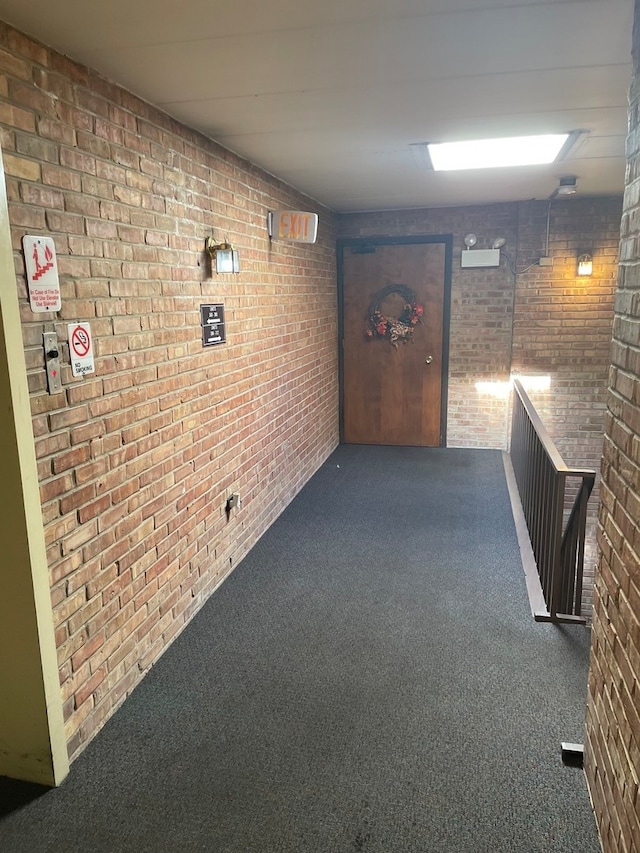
81, 349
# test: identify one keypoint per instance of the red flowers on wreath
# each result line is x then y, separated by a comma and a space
394, 329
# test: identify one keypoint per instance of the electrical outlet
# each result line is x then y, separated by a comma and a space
546, 262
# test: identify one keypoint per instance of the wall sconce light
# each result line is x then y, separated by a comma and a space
225, 256
585, 264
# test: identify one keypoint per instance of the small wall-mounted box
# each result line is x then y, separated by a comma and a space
480, 258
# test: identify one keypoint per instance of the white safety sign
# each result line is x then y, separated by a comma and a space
81, 349
42, 274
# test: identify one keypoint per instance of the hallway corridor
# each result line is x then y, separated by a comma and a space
369, 679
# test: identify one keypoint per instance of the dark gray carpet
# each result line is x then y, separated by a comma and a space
369, 679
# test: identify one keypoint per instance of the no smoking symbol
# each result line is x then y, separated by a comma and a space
80, 349
80, 342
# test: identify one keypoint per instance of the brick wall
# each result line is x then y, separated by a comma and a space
612, 750
562, 328
136, 460
550, 323
563, 322
481, 312
542, 322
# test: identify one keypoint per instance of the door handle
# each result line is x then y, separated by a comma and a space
428, 359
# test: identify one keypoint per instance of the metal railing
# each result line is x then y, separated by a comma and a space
541, 478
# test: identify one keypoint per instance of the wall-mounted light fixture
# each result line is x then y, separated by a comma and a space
585, 264
225, 256
567, 185
471, 257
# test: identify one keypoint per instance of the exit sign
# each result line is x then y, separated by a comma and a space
296, 225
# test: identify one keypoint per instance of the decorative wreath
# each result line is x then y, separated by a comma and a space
394, 329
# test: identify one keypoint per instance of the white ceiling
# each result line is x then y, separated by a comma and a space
330, 95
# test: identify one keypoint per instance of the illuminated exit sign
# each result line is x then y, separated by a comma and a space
296, 225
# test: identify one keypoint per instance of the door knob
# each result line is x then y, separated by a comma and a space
428, 359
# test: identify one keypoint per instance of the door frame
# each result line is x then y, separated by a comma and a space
371, 243
31, 709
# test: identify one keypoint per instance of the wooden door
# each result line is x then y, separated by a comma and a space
392, 389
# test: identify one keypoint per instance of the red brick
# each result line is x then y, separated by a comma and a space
612, 758
41, 196
131, 452
89, 686
70, 459
86, 650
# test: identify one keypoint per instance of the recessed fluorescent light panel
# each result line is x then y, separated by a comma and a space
494, 153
